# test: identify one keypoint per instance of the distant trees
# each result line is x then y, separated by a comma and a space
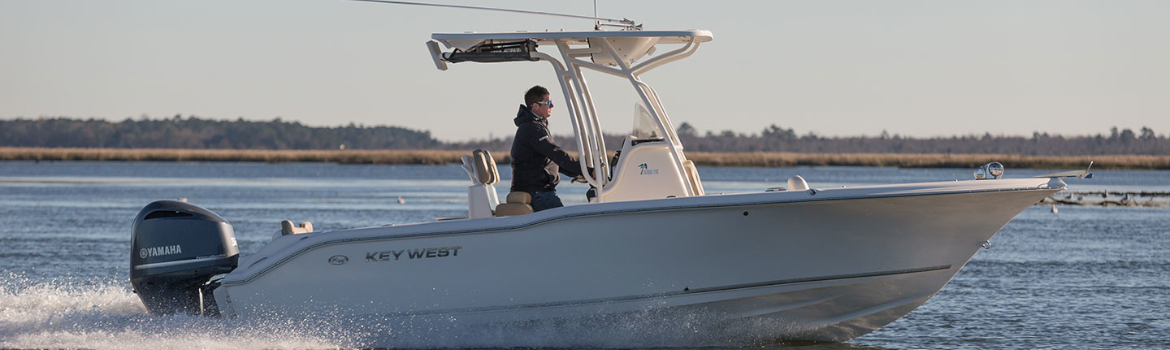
778, 139
196, 133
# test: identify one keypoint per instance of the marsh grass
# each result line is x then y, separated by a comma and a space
756, 159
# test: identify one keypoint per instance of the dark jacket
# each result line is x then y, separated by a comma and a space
536, 159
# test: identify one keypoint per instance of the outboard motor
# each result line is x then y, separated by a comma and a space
175, 250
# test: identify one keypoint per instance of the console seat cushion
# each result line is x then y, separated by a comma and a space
518, 203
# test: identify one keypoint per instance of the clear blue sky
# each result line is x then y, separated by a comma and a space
919, 68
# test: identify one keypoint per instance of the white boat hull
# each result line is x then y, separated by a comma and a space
826, 265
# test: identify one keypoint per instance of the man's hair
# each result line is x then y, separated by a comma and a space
534, 95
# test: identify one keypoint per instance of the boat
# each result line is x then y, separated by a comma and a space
791, 263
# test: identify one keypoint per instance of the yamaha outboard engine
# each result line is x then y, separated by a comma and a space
176, 249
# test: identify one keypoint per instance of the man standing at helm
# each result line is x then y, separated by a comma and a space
536, 159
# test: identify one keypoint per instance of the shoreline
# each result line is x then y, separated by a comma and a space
432, 157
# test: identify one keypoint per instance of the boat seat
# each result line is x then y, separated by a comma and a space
287, 228
481, 195
485, 167
517, 203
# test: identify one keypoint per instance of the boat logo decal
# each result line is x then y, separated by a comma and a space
159, 251
646, 170
338, 259
416, 253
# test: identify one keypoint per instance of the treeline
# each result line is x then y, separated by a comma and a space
778, 139
195, 133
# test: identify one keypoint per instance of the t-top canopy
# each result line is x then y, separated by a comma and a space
464, 41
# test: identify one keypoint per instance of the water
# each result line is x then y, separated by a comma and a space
1087, 277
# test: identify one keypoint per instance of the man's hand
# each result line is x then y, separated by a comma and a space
580, 179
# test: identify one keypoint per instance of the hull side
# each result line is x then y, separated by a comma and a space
827, 270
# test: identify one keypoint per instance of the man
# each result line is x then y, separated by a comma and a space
536, 159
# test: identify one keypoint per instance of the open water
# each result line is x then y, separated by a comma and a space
1086, 277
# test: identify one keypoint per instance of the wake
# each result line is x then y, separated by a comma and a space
72, 314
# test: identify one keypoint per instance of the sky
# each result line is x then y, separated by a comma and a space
835, 68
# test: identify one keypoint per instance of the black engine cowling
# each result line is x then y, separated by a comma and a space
175, 250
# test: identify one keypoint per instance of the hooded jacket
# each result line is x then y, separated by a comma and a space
536, 159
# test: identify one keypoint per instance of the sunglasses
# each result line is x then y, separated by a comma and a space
546, 103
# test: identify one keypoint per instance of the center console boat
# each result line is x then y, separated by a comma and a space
794, 263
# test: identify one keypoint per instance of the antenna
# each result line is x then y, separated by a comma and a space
596, 24
624, 23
